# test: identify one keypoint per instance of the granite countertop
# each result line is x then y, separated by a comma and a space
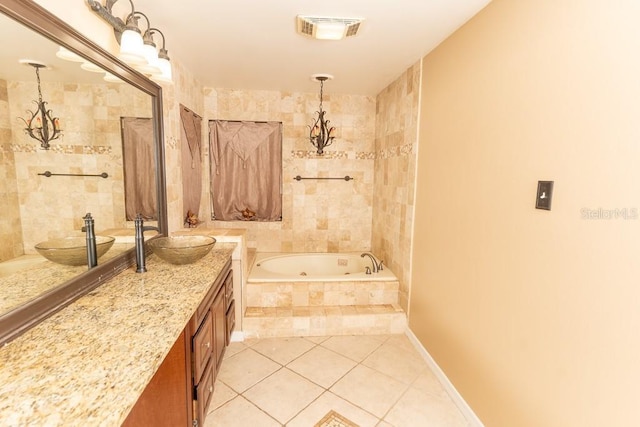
88, 364
40, 276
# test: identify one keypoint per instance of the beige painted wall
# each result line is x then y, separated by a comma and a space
533, 315
79, 15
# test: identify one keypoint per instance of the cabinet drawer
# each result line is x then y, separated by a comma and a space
204, 393
228, 289
202, 347
231, 320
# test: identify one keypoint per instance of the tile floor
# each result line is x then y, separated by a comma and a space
371, 380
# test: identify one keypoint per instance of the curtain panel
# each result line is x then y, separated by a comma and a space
191, 150
246, 170
138, 154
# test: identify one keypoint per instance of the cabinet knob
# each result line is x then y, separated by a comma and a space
210, 389
208, 344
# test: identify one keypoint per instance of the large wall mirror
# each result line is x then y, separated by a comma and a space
35, 207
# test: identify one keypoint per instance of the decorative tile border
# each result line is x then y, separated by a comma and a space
334, 419
58, 149
328, 155
397, 151
365, 155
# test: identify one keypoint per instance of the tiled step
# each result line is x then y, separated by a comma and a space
303, 294
261, 322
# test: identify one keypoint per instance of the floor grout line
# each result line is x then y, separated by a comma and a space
327, 392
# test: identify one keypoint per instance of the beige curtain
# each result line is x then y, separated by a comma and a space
246, 170
191, 138
138, 153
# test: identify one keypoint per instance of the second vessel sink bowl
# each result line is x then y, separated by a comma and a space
181, 249
72, 250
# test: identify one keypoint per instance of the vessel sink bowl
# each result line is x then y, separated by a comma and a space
72, 250
181, 249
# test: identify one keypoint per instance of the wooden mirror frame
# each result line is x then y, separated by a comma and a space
38, 19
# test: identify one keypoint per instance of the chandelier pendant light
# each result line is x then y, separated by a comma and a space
320, 134
42, 125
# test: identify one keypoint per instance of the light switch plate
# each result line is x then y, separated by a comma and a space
543, 197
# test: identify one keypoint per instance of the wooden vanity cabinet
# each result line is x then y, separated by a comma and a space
230, 307
210, 336
180, 392
164, 400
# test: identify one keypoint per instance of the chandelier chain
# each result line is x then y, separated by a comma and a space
38, 79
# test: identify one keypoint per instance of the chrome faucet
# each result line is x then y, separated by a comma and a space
377, 266
140, 255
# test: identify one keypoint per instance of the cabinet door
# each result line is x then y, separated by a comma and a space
165, 400
218, 312
231, 320
204, 392
202, 348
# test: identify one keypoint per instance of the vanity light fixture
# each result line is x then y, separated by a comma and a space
320, 134
137, 49
42, 125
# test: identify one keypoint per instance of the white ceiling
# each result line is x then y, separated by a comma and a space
253, 44
247, 44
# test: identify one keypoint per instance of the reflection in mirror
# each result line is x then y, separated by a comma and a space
46, 193
140, 193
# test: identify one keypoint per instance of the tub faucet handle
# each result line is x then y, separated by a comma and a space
367, 270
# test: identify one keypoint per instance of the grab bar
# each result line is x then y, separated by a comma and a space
346, 178
48, 174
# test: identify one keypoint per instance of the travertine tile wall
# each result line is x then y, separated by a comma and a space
10, 226
318, 216
395, 174
91, 144
185, 90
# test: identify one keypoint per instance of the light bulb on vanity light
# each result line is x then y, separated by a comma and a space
165, 68
131, 43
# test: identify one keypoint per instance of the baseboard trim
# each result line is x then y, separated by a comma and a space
466, 410
237, 336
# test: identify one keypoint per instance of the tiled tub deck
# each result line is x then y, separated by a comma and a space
322, 308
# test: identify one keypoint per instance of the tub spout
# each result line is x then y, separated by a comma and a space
374, 263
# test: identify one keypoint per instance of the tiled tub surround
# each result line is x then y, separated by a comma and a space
317, 306
317, 216
89, 363
396, 142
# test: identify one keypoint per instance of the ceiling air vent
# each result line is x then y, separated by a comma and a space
328, 28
